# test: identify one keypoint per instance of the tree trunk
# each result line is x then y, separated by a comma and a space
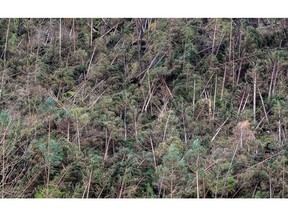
74, 36
223, 83
48, 158
60, 41
254, 95
6, 43
197, 177
91, 32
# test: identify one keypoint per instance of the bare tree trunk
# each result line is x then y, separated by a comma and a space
184, 123
125, 123
279, 128
3, 141
214, 100
68, 130
194, 97
171, 183
4, 54
239, 108
89, 184
166, 126
197, 177
219, 129
254, 95
272, 80
6, 43
210, 108
107, 144
223, 83
275, 80
270, 187
254, 191
74, 36
244, 106
60, 41
78, 135
91, 31
140, 36
230, 54
48, 158
239, 72
122, 184
90, 61
283, 181
184, 64
153, 152
169, 44
263, 105
135, 125
214, 37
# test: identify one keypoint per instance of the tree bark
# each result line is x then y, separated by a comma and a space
6, 43
60, 41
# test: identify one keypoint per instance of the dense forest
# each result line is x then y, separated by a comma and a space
144, 108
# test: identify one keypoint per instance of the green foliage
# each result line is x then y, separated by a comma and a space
55, 154
261, 194
49, 106
53, 192
4, 118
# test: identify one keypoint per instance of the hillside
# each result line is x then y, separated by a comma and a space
144, 108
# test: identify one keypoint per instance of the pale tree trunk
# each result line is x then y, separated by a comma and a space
213, 41
194, 97
263, 105
214, 100
275, 79
270, 92
223, 83
231, 64
197, 177
139, 23
78, 135
169, 39
4, 57
241, 102
153, 152
60, 41
68, 130
3, 141
239, 72
122, 184
136, 126
279, 128
270, 186
74, 36
48, 158
107, 144
254, 95
91, 32
210, 108
166, 126
283, 181
6, 43
184, 123
89, 184
171, 183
